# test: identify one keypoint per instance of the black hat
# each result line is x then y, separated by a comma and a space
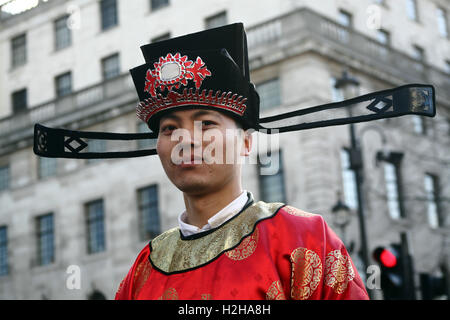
206, 69
210, 69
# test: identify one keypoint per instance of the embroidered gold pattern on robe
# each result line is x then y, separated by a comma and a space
246, 248
140, 276
169, 294
306, 273
338, 271
275, 291
297, 212
206, 296
122, 283
170, 253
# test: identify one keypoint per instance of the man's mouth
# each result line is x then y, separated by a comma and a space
192, 162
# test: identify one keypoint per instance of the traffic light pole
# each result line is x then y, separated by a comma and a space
409, 289
356, 164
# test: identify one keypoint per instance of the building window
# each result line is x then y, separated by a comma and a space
149, 212
271, 177
392, 181
18, 51
47, 167
19, 101
442, 22
345, 18
269, 94
63, 84
110, 66
418, 53
45, 239
384, 37
63, 35
419, 124
96, 146
158, 4
109, 15
95, 227
217, 20
348, 181
142, 127
411, 10
3, 251
165, 36
4, 178
336, 94
432, 197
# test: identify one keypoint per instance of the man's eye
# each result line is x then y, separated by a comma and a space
207, 123
168, 128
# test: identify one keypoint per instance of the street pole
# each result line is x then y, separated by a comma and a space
350, 87
356, 164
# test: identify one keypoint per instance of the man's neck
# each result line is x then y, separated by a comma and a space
199, 208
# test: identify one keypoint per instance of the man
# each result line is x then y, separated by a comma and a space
227, 245
196, 97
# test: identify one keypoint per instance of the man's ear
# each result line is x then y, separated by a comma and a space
247, 139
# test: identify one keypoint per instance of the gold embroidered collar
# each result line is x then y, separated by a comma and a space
171, 253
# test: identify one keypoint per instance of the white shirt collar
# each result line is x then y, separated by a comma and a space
216, 220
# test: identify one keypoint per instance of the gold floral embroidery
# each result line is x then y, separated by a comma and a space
275, 291
171, 254
140, 276
206, 296
169, 294
297, 212
338, 271
119, 291
306, 273
246, 248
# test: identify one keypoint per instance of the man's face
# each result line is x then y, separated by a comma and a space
201, 150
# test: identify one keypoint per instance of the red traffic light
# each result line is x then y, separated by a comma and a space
385, 257
388, 259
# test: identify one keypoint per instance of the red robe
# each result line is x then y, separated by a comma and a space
267, 251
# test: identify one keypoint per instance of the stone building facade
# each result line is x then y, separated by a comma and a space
72, 60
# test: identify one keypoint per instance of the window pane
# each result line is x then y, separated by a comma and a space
272, 186
63, 35
19, 51
95, 226
96, 146
158, 4
269, 94
165, 36
108, 13
442, 22
419, 124
19, 101
411, 9
111, 66
47, 167
145, 144
3, 251
349, 181
431, 183
392, 190
4, 178
45, 239
216, 21
345, 18
418, 53
149, 212
383, 37
63, 84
